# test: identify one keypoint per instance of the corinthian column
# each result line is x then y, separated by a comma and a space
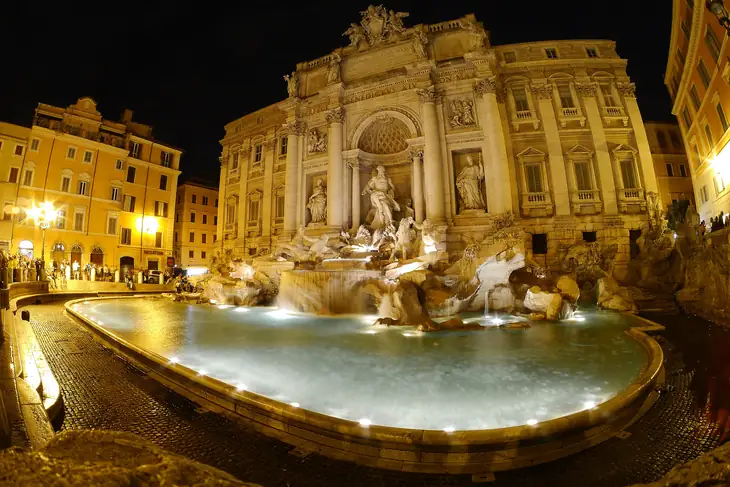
355, 166
417, 192
295, 129
432, 153
497, 174
627, 90
335, 169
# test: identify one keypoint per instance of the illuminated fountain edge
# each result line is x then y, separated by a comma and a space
429, 451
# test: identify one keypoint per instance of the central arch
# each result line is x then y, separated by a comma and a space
387, 125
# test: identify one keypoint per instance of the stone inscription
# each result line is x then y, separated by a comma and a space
378, 62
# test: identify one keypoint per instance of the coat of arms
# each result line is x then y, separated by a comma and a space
377, 25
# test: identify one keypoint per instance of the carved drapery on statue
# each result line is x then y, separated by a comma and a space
462, 113
382, 199
469, 183
292, 84
333, 71
317, 204
317, 141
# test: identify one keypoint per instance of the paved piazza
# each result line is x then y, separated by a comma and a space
102, 391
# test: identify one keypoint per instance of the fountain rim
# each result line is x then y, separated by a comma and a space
291, 420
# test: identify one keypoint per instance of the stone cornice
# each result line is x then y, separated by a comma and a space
386, 88
691, 59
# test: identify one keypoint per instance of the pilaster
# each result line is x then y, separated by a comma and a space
335, 169
627, 90
434, 184
294, 129
267, 205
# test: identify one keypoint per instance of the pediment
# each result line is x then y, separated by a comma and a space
531, 153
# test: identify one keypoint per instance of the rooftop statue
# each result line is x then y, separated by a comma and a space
377, 25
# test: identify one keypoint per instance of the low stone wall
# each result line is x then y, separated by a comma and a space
18, 289
101, 286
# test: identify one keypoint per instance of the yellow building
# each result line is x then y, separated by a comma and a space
112, 183
196, 220
670, 162
697, 76
13, 141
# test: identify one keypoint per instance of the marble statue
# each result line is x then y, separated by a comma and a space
469, 185
317, 141
429, 236
655, 212
381, 191
377, 25
404, 237
292, 83
408, 210
462, 113
479, 35
420, 43
356, 34
333, 71
363, 236
317, 204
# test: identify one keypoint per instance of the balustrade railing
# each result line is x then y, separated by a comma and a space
571, 112
587, 195
633, 193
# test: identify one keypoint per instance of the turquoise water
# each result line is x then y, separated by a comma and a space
344, 367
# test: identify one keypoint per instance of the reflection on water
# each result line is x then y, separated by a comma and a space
343, 367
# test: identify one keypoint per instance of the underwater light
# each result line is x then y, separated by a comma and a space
589, 404
532, 422
365, 422
213, 301
449, 429
294, 404
497, 321
370, 332
577, 318
202, 372
174, 360
241, 309
240, 387
224, 306
280, 314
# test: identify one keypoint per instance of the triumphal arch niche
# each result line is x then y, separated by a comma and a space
433, 121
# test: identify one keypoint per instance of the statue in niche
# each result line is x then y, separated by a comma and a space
317, 141
356, 34
381, 191
317, 204
469, 185
333, 71
292, 83
462, 113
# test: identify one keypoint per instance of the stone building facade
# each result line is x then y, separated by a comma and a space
466, 131
670, 162
196, 218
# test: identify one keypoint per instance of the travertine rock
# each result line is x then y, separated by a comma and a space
568, 288
501, 299
96, 457
613, 296
539, 301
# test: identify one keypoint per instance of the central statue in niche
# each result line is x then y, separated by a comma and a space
468, 182
382, 198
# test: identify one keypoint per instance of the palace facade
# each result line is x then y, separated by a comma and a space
670, 162
196, 220
466, 131
113, 186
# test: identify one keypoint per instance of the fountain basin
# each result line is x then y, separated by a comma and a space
283, 359
324, 291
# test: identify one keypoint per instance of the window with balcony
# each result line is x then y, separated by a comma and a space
713, 44
126, 236
704, 75
533, 178
230, 213
283, 146
551, 53
253, 211
13, 175
723, 118
279, 206
628, 174
583, 178
131, 174
83, 188
607, 94
670, 170
695, 97
258, 153
135, 149
591, 52
166, 158
163, 182
520, 96
35, 145
566, 96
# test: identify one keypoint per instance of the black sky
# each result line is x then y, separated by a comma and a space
189, 68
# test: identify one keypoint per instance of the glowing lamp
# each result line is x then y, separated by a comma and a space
718, 10
148, 224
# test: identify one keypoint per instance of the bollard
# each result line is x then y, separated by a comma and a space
25, 315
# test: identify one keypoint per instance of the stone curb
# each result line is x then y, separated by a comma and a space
398, 448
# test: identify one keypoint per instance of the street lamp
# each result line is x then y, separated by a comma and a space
719, 10
43, 216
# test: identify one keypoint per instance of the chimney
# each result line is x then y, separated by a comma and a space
127, 115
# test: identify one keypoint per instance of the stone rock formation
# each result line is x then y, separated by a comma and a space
96, 457
243, 286
539, 301
613, 296
710, 469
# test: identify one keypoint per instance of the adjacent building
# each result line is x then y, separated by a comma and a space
671, 166
196, 221
466, 131
13, 145
697, 76
113, 186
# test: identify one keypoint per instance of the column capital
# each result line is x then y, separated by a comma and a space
627, 90
336, 115
269, 144
486, 85
223, 161
586, 90
416, 152
353, 163
244, 151
428, 95
295, 127
543, 91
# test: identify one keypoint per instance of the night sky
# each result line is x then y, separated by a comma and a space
187, 69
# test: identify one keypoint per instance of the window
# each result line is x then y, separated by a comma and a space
88, 155
687, 118
116, 194
28, 177
723, 118
192, 236
216, 202
234, 162
163, 182
205, 219
539, 243
682, 58
719, 183
215, 238
61, 219
695, 97
161, 208
685, 29
65, 184
215, 220
35, 144
192, 217
591, 52
8, 211
710, 139
533, 178
258, 153
253, 210
202, 254
18, 150
71, 153
13, 176
704, 74
158, 240
683, 170
174, 237
191, 254
510, 57
566, 96
634, 249
589, 236
520, 96
83, 187
205, 200
134, 149
661, 139
129, 202
177, 217
131, 173
204, 238
712, 43
583, 176
675, 140
697, 156
230, 213
111, 225
79, 221
126, 236
670, 170
704, 196
283, 146
194, 199
551, 53
166, 158
628, 174
119, 165
280, 206
607, 93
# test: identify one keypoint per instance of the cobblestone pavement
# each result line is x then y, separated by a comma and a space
102, 391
